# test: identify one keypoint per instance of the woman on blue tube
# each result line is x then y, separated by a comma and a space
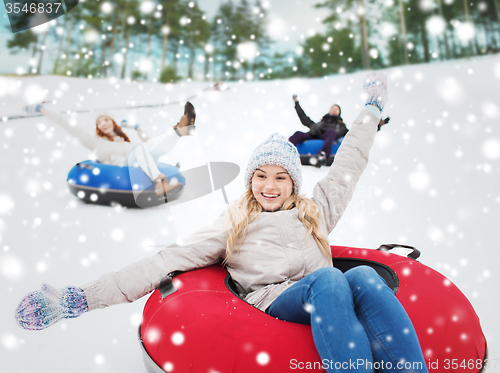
113, 147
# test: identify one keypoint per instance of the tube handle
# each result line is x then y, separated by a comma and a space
414, 254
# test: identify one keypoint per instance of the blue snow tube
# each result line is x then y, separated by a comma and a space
309, 150
103, 184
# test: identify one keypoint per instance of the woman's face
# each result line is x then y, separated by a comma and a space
334, 110
105, 124
271, 186
183, 122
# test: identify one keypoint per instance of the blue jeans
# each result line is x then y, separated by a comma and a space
357, 323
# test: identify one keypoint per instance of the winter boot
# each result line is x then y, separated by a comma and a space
190, 112
164, 187
321, 159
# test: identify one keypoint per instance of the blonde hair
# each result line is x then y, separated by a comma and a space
246, 209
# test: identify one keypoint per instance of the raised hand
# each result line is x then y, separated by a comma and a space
375, 86
126, 124
33, 109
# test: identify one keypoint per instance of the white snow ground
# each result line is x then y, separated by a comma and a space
432, 182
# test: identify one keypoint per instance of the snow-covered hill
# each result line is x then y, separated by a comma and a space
433, 182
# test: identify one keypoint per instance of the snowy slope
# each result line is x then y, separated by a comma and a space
432, 182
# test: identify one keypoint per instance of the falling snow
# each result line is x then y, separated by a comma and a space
419, 180
11, 267
178, 338
99, 359
263, 358
432, 182
491, 149
136, 319
117, 234
388, 204
6, 204
450, 90
10, 341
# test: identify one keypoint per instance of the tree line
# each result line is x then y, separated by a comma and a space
363, 35
169, 40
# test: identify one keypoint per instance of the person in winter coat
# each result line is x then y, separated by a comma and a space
112, 146
273, 242
330, 128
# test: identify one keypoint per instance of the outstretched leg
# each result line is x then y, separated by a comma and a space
164, 143
299, 137
392, 337
329, 137
146, 156
324, 300
161, 144
141, 157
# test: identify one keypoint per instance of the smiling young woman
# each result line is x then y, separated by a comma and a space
271, 186
273, 242
107, 129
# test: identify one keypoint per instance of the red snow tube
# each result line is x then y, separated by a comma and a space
204, 327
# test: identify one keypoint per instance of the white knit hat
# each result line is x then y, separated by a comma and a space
104, 114
276, 150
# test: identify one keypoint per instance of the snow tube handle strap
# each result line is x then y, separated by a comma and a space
414, 254
166, 286
85, 165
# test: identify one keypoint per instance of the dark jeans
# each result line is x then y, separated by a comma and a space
329, 137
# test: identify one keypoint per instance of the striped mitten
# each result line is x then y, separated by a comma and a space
375, 86
40, 309
126, 124
33, 109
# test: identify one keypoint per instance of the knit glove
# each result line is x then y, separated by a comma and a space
40, 309
375, 86
126, 124
383, 122
33, 109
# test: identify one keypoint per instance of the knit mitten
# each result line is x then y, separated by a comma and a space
375, 86
40, 309
33, 109
126, 124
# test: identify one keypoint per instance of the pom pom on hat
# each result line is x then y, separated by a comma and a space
276, 150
